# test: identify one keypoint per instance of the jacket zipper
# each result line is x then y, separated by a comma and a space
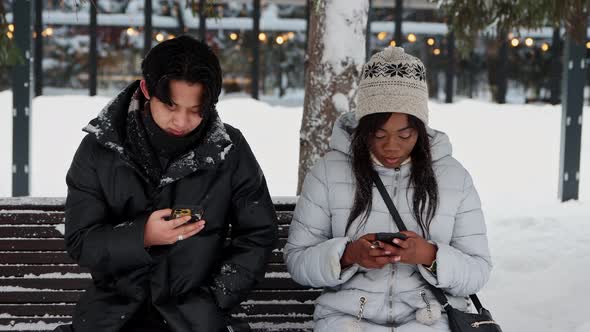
428, 308
362, 302
484, 322
397, 171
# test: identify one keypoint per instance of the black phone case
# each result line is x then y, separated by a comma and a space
196, 212
388, 237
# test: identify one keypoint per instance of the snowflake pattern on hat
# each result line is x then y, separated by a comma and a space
403, 70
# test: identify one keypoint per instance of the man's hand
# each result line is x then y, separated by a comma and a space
368, 253
162, 232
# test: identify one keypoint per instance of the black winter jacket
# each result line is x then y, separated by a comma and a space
193, 282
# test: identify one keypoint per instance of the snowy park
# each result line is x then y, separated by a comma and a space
538, 244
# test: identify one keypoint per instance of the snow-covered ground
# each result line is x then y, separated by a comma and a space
541, 247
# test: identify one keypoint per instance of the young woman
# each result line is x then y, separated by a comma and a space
372, 285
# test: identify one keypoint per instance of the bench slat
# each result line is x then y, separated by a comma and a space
56, 217
28, 218
17, 270
29, 257
32, 245
67, 310
83, 283
56, 244
61, 257
259, 323
31, 232
71, 296
51, 231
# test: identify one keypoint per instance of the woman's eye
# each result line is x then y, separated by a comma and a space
405, 136
379, 136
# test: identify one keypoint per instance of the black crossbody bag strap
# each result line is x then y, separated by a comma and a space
440, 296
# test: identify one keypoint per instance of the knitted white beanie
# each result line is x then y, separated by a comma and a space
393, 81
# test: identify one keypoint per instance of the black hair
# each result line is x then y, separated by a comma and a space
422, 175
186, 59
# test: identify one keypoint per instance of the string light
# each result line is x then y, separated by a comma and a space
262, 37
280, 40
514, 42
412, 38
291, 34
381, 35
49, 31
11, 27
588, 44
529, 41
171, 36
132, 32
430, 41
545, 47
160, 37
392, 43
233, 36
9, 34
436, 51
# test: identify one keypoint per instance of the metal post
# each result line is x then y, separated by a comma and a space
92, 52
280, 71
368, 34
21, 97
399, 12
255, 48
38, 57
571, 118
202, 20
450, 73
180, 17
471, 72
147, 27
555, 68
502, 78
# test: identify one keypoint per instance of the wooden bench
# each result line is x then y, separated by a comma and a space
40, 284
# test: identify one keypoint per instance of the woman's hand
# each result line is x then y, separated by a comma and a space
368, 253
414, 250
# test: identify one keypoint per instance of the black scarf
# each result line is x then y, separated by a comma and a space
150, 147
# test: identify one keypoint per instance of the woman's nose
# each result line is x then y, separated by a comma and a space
391, 145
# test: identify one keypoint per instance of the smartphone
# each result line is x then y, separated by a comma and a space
388, 237
196, 213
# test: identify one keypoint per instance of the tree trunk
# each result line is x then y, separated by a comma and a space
336, 54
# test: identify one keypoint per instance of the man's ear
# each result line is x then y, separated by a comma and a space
144, 89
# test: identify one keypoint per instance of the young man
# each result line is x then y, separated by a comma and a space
160, 145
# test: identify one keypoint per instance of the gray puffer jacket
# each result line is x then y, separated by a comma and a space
395, 292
